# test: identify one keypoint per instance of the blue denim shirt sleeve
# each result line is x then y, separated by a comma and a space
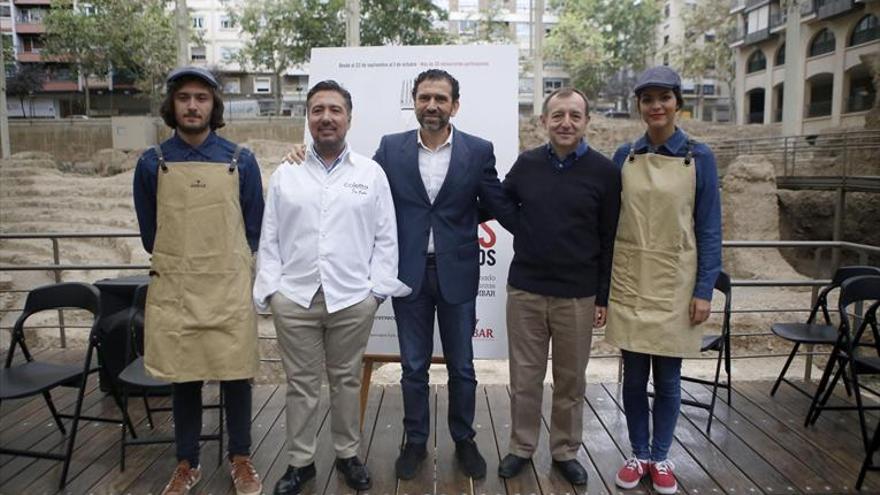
251, 197
707, 222
144, 192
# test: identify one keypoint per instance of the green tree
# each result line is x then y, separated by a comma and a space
704, 51
597, 39
27, 80
73, 35
279, 34
401, 22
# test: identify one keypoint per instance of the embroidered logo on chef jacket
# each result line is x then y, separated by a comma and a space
357, 188
198, 184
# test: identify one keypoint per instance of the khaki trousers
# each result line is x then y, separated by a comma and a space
312, 341
533, 322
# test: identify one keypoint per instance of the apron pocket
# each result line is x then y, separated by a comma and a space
644, 279
214, 300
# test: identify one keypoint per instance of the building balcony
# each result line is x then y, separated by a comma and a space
826, 9
32, 2
808, 8
777, 20
30, 28
757, 36
29, 57
753, 4
60, 86
737, 6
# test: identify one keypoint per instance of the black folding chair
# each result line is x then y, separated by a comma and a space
861, 364
135, 378
812, 333
720, 344
38, 377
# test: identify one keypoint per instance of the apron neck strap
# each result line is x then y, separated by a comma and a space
235, 155
161, 158
632, 151
689, 157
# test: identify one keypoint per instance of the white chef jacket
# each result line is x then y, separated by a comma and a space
333, 229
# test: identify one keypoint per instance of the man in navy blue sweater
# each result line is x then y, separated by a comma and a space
569, 198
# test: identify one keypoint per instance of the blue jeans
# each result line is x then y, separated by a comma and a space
415, 334
667, 402
187, 410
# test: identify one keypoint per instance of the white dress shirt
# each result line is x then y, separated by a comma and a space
433, 166
333, 228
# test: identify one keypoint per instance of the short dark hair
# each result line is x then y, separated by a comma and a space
436, 75
330, 85
562, 93
166, 109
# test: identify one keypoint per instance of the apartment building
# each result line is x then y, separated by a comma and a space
804, 66
706, 98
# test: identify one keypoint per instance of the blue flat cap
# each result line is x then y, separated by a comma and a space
193, 71
659, 77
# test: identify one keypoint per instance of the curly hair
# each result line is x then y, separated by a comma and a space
166, 109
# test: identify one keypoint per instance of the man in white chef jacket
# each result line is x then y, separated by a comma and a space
327, 259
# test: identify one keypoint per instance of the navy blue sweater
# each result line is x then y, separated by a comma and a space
564, 236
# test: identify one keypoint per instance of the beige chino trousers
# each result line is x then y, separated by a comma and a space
533, 323
313, 341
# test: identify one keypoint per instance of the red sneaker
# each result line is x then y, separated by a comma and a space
663, 478
631, 473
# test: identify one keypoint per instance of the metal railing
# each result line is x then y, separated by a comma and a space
865, 253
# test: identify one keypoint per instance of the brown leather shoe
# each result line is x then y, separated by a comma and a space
244, 476
183, 479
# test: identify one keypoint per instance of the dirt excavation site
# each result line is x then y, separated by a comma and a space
42, 193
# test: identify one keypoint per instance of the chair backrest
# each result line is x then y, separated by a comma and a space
858, 289
842, 274
135, 328
76, 295
722, 284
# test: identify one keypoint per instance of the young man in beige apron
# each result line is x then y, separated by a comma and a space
327, 259
667, 255
199, 205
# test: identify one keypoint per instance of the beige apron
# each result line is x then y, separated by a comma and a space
655, 258
200, 322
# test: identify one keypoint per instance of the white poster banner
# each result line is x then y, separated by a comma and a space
380, 80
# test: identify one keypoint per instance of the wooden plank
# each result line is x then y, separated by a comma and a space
371, 416
107, 465
451, 480
427, 480
492, 484
93, 441
526, 483
550, 479
690, 474
603, 452
385, 442
273, 447
748, 461
758, 435
219, 480
842, 443
155, 476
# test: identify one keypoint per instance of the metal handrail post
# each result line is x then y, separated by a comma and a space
56, 256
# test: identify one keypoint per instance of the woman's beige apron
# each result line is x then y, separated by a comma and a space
200, 322
655, 258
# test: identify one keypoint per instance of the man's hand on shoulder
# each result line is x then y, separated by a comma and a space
296, 156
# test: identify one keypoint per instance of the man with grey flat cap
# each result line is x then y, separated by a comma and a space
199, 204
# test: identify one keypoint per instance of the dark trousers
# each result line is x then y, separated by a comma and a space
187, 408
415, 333
667, 402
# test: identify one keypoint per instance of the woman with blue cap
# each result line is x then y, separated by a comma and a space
667, 254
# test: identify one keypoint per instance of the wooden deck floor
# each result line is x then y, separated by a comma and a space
757, 445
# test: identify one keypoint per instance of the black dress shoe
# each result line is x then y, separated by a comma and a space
572, 471
356, 475
470, 460
511, 465
410, 460
293, 480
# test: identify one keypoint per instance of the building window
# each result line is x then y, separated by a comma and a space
780, 56
551, 85
665, 59
709, 38
467, 28
197, 53
822, 43
861, 91
709, 89
262, 85
5, 11
821, 93
468, 5
227, 23
868, 29
198, 22
228, 53
666, 10
757, 62
665, 40
523, 6
31, 44
443, 4
232, 86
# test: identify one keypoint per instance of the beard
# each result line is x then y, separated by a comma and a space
195, 128
439, 121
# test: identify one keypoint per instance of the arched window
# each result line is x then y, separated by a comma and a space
780, 55
757, 62
823, 42
867, 29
